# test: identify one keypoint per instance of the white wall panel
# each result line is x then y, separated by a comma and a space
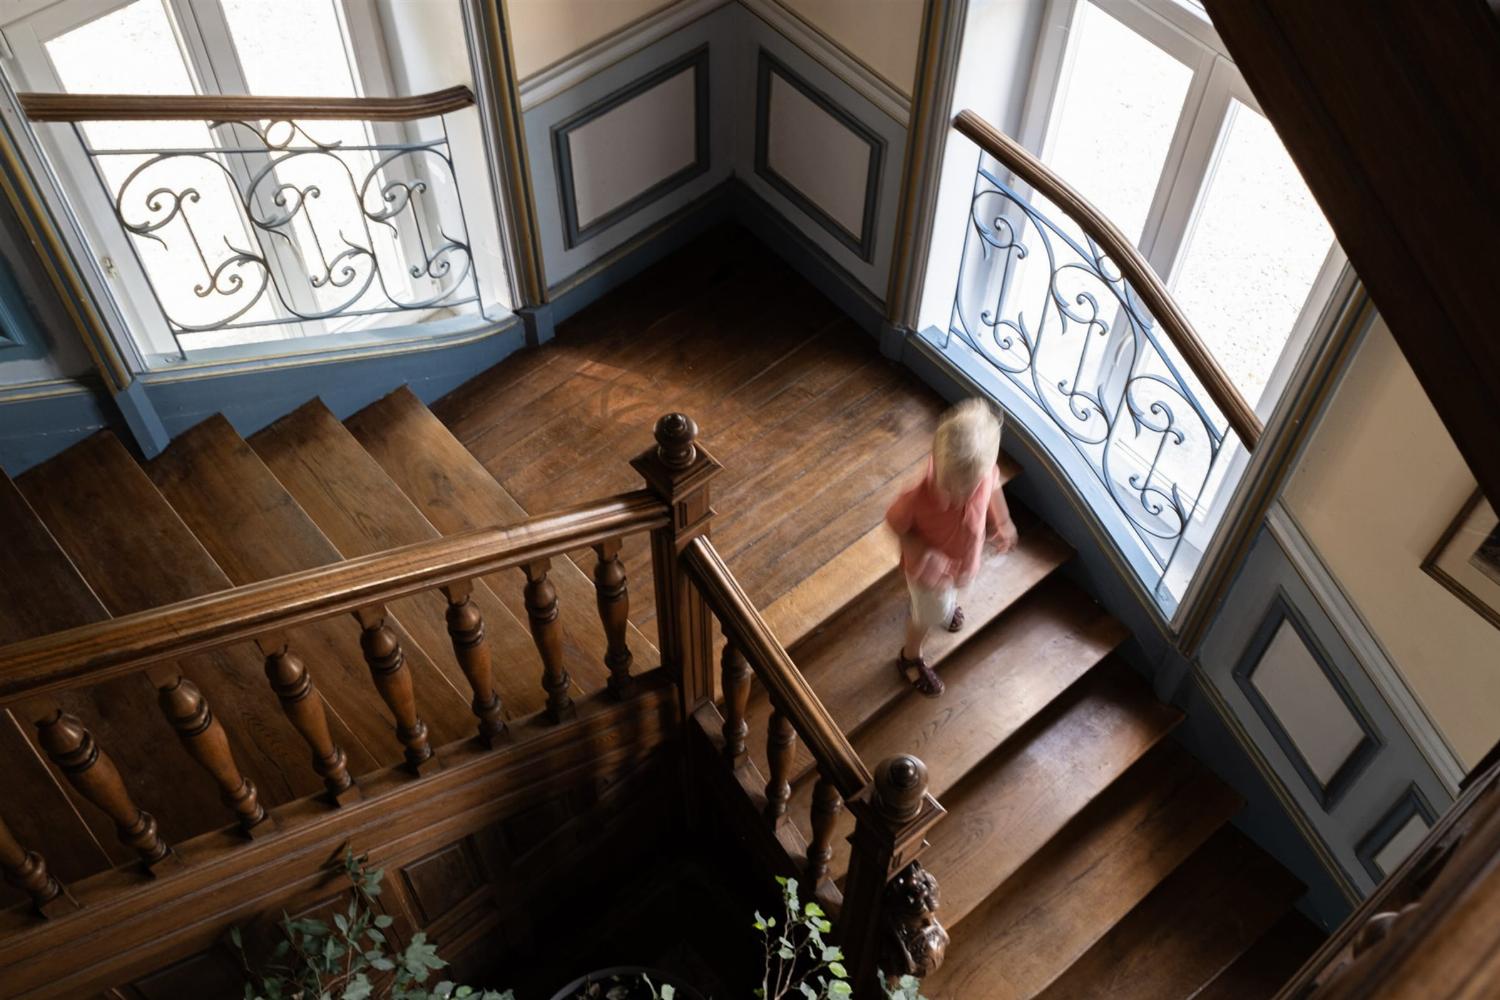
818, 155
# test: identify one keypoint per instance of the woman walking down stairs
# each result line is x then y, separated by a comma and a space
1083, 853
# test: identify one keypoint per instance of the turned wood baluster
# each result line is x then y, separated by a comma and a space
466, 628
388, 669
90, 770
827, 803
781, 749
188, 712
614, 610
304, 707
28, 872
541, 609
734, 673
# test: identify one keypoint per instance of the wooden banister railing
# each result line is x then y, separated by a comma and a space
40, 107
93, 653
788, 689
1141, 276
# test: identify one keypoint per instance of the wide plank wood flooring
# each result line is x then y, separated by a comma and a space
816, 432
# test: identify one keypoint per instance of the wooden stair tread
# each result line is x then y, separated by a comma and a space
362, 512
456, 493
1013, 936
254, 529
1269, 963
997, 683
838, 581
1191, 927
40, 593
135, 553
851, 660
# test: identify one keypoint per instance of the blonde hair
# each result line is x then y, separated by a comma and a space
965, 447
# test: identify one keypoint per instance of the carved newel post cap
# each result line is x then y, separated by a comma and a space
900, 787
675, 434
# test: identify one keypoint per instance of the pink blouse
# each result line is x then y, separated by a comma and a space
942, 545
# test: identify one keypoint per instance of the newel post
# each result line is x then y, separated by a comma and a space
678, 470
888, 921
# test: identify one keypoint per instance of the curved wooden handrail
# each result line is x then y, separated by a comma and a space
1169, 317
789, 690
93, 653
238, 107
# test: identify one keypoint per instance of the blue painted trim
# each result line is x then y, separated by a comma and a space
35, 428
809, 260
142, 420
19, 337
539, 324
1410, 803
1282, 610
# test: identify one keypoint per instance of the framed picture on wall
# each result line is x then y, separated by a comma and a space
1466, 559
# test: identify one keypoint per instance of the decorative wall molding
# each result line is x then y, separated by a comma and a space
861, 243
1282, 612
576, 232
547, 83
1366, 648
1411, 805
840, 61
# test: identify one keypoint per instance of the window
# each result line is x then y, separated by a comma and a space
216, 239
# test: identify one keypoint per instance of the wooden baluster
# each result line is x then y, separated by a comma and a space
888, 923
827, 803
188, 712
466, 628
781, 750
28, 872
388, 669
735, 678
678, 470
90, 770
614, 611
541, 609
304, 707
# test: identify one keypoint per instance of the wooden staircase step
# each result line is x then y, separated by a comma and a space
1194, 925
455, 493
40, 593
362, 512
1013, 935
997, 683
851, 660
824, 592
255, 530
1269, 963
135, 553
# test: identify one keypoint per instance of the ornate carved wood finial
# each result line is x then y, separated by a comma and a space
204, 738
900, 787
28, 872
915, 942
675, 437
90, 770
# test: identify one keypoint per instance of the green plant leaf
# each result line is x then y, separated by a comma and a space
837, 968
839, 988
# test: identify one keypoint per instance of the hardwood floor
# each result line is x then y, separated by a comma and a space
1084, 853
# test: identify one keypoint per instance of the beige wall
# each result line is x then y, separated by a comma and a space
1379, 483
547, 31
883, 34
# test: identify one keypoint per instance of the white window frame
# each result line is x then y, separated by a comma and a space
141, 330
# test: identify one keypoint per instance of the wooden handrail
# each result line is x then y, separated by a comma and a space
238, 107
1240, 414
93, 653
789, 690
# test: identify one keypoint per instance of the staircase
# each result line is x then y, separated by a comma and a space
1083, 854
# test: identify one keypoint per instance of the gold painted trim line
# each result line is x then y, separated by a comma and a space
214, 107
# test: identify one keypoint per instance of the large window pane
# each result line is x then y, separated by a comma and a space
1117, 107
1254, 250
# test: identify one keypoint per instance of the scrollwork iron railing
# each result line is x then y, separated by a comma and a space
262, 220
1047, 310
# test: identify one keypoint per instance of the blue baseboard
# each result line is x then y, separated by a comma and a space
34, 428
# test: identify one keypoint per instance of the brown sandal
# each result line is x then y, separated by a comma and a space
957, 621
919, 675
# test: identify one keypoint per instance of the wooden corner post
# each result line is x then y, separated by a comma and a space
679, 471
887, 921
